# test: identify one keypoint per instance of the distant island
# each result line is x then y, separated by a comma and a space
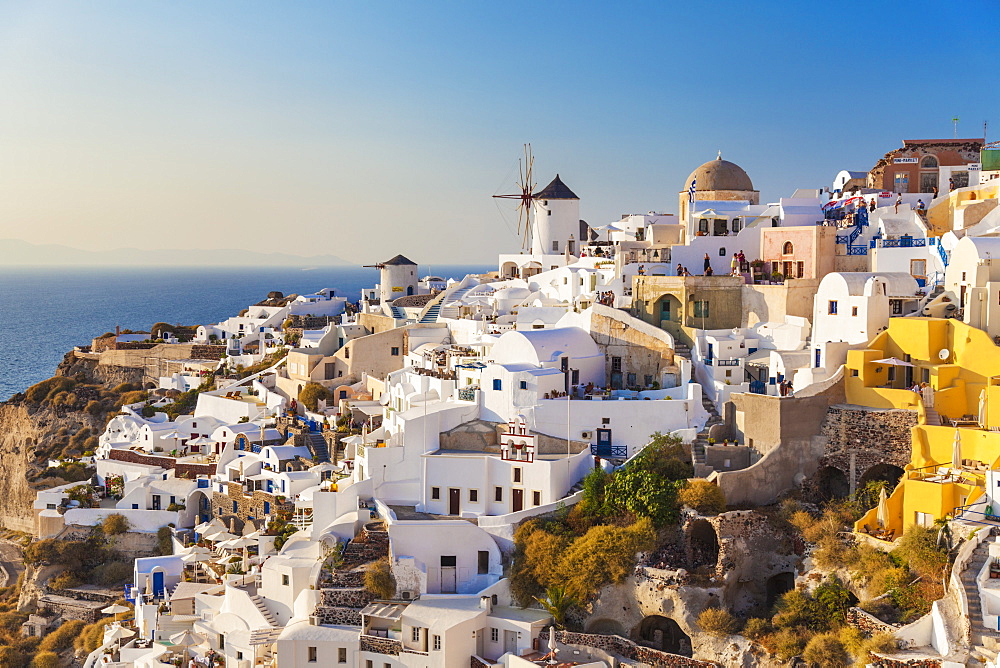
22, 253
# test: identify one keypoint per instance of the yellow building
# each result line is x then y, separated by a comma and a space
955, 449
961, 208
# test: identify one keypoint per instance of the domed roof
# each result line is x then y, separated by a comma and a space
720, 174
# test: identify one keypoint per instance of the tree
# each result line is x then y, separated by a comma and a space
703, 496
311, 394
594, 486
379, 579
604, 555
644, 494
557, 603
46, 660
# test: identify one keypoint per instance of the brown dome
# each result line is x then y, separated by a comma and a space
720, 174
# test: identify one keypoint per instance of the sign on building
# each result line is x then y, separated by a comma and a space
904, 161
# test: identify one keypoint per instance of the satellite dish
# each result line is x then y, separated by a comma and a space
944, 354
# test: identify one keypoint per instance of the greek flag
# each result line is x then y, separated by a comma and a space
691, 190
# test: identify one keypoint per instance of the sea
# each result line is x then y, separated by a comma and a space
46, 311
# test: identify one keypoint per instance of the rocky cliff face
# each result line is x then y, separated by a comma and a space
29, 432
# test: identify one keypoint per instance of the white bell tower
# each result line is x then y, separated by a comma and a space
556, 225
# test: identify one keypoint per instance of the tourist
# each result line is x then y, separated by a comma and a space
920, 206
642, 270
709, 272
951, 183
899, 200
871, 207
708, 261
734, 265
680, 269
743, 260
934, 192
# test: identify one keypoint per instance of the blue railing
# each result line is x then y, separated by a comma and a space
942, 253
857, 250
905, 242
758, 387
613, 451
730, 362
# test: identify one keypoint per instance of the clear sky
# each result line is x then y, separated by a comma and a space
365, 129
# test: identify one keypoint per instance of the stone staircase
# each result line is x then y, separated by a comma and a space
979, 557
259, 604
343, 594
318, 447
701, 440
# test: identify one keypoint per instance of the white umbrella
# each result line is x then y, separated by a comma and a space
186, 639
219, 536
239, 543
892, 361
115, 609
709, 213
120, 632
956, 450
882, 512
552, 645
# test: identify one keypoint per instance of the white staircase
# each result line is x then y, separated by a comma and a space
259, 604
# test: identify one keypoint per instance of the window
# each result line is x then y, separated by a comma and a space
536, 498
437, 639
605, 420
800, 269
831, 307
498, 494
484, 562
896, 306
729, 373
236, 508
368, 664
341, 655
854, 373
701, 309
555, 244
616, 363
918, 268
347, 353
901, 182
394, 351
222, 641
647, 380
284, 579
523, 384
929, 162
854, 311
722, 252
703, 225
497, 384
517, 474
474, 496
436, 493
787, 248
415, 634
313, 658
495, 635
630, 380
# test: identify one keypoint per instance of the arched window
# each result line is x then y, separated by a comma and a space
929, 162
787, 248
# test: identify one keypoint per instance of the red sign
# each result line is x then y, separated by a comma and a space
885, 194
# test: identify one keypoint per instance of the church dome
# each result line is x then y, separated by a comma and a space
719, 174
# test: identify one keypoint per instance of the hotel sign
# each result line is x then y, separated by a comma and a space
904, 161
974, 165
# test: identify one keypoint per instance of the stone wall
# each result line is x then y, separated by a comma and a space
182, 470
347, 597
247, 505
622, 647
858, 438
867, 623
380, 645
338, 616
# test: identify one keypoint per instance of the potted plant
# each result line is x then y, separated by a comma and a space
777, 277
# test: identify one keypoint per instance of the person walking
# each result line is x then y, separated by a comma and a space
708, 261
734, 265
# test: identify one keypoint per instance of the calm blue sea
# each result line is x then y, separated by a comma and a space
44, 312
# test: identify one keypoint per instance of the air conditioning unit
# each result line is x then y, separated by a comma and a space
587, 435
407, 595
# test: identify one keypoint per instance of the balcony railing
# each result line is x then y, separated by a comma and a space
612, 451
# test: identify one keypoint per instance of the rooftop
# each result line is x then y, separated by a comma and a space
556, 190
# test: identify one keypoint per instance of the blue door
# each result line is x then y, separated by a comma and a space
158, 583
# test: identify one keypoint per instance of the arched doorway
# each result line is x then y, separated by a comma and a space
888, 473
664, 634
777, 585
667, 308
831, 483
605, 627
704, 544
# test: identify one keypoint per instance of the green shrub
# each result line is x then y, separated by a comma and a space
46, 660
786, 643
92, 635
62, 637
703, 496
113, 572
379, 579
718, 622
756, 628
164, 540
604, 555
826, 651
115, 524
64, 580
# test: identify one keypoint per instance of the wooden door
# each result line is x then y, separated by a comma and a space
454, 501
517, 500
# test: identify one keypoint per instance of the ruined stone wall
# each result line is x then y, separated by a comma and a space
858, 438
622, 647
347, 598
338, 616
247, 505
867, 623
181, 470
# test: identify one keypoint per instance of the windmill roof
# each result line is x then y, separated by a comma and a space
399, 259
556, 190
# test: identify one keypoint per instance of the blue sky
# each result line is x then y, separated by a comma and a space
367, 129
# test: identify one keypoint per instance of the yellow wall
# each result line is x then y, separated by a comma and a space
941, 213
